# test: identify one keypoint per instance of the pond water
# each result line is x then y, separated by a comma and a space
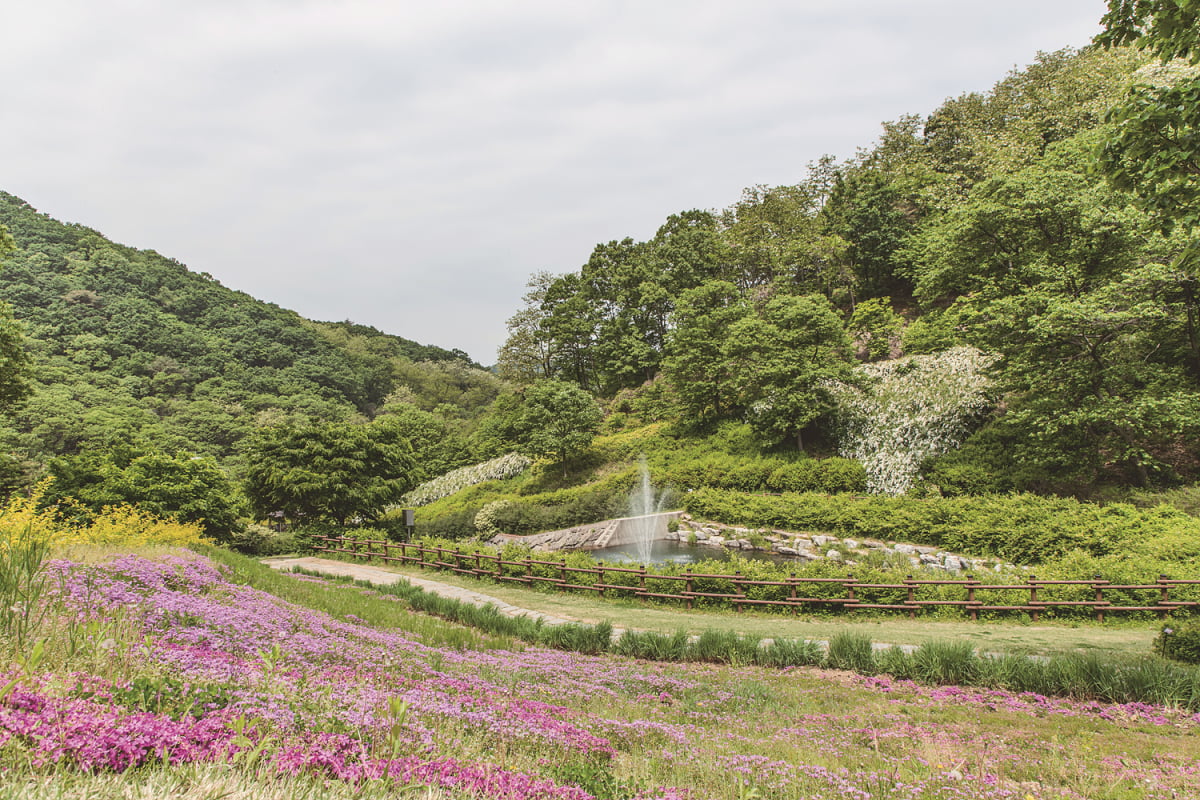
668, 552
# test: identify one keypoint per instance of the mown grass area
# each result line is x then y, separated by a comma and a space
1018, 637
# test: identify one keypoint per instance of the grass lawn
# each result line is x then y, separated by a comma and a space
1015, 636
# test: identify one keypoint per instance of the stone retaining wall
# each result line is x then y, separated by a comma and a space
597, 535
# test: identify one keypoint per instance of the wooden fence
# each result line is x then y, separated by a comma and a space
972, 596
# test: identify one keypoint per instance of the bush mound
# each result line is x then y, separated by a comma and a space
1180, 642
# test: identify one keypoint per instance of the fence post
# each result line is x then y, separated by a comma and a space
1099, 599
1164, 596
688, 587
600, 579
528, 571
642, 584
908, 582
971, 583
737, 589
1033, 598
792, 594
850, 588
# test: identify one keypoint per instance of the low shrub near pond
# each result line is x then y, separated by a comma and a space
1019, 528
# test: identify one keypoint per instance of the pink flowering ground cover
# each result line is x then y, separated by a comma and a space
170, 663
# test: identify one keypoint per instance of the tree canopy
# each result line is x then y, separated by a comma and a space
334, 472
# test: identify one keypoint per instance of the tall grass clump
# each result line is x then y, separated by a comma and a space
851, 651
782, 653
653, 646
944, 663
23, 555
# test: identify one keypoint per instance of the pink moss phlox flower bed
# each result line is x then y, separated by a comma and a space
220, 672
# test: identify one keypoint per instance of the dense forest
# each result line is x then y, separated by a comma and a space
986, 225
996, 297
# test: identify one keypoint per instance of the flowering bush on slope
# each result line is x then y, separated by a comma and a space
912, 409
506, 466
21, 520
212, 671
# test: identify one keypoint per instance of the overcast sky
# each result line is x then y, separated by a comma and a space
408, 165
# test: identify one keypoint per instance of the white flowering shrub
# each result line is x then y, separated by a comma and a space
907, 411
507, 466
485, 521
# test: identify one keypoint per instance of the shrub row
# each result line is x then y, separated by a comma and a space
766, 474
1020, 528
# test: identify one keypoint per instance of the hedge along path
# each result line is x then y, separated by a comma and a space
557, 608
794, 594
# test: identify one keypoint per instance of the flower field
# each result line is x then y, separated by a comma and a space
161, 666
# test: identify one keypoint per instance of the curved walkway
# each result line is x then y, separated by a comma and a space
382, 577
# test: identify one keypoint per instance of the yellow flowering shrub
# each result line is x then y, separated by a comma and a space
21, 519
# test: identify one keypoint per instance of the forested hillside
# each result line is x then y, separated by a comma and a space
131, 347
987, 231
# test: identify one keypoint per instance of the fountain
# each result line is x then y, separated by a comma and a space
645, 524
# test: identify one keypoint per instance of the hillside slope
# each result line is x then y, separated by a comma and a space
130, 344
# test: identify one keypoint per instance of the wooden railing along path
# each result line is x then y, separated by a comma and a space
1033, 596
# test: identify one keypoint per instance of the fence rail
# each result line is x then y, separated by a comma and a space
1032, 597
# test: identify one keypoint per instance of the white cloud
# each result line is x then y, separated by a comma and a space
408, 165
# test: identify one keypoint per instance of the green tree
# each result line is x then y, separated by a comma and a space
875, 325
1095, 385
181, 486
437, 448
783, 362
697, 364
524, 358
1154, 147
558, 420
336, 472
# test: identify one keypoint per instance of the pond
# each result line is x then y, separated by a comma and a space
668, 552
